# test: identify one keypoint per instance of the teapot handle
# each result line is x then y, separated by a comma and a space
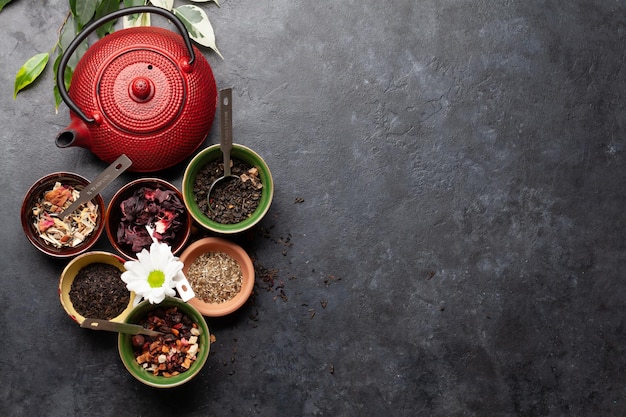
90, 28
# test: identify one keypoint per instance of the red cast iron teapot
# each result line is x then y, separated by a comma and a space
145, 92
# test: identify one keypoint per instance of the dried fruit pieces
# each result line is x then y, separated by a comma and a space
161, 209
175, 351
68, 232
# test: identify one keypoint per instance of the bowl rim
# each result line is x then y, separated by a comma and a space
245, 262
124, 346
78, 263
240, 152
114, 202
36, 189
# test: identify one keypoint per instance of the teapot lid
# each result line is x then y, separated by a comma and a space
141, 90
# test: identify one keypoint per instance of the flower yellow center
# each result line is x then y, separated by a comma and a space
156, 278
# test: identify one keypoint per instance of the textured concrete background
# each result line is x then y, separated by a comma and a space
459, 250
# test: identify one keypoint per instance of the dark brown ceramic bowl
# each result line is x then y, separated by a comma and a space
36, 192
114, 216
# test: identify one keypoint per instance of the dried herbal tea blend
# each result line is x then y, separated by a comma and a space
68, 232
172, 353
215, 277
232, 200
98, 292
160, 209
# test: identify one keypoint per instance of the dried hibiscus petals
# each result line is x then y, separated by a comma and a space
68, 232
173, 352
160, 209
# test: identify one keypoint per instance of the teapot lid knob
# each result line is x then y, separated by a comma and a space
141, 89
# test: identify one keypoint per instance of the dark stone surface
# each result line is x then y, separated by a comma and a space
460, 246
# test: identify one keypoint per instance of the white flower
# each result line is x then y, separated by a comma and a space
152, 276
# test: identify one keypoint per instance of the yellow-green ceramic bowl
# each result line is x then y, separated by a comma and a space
75, 265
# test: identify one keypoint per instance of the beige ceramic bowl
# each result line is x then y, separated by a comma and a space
72, 269
213, 244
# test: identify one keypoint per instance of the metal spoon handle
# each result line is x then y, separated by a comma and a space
105, 178
226, 127
111, 326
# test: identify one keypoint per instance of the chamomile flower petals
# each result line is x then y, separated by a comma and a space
152, 276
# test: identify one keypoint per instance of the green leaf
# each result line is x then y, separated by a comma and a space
206, 1
164, 4
106, 7
67, 78
69, 71
4, 3
84, 11
198, 25
30, 71
134, 20
68, 33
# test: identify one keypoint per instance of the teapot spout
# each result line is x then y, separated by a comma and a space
75, 134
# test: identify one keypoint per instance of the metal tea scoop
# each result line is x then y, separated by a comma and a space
112, 326
100, 183
226, 137
182, 284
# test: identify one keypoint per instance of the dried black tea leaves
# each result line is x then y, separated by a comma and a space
232, 200
98, 291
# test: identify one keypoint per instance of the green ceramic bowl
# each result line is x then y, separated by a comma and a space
241, 153
125, 346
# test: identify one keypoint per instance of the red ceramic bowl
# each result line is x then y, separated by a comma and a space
36, 192
114, 217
